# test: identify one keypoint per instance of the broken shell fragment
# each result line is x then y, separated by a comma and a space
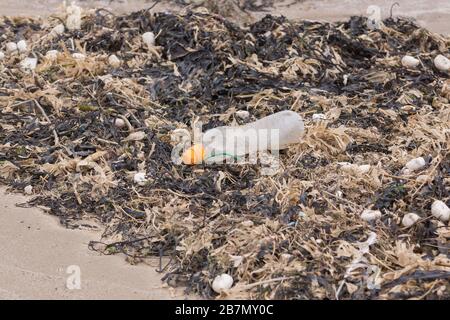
149, 39
58, 29
410, 62
243, 114
114, 61
440, 210
28, 189
22, 46
222, 282
52, 55
2, 55
140, 178
370, 215
11, 47
410, 219
28, 64
442, 63
318, 117
415, 164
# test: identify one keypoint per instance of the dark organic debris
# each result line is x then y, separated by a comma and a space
294, 235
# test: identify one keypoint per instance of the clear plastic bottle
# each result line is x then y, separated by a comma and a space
274, 132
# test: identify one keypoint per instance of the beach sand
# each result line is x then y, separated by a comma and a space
36, 254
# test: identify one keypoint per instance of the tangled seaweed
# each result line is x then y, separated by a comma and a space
293, 235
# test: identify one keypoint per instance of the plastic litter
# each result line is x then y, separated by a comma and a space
274, 132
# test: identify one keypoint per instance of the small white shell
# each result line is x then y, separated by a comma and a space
410, 219
442, 63
52, 55
415, 164
78, 56
370, 215
28, 64
440, 210
139, 178
222, 282
28, 189
114, 61
58, 29
119, 123
242, 114
318, 117
410, 62
149, 39
22, 46
2, 55
11, 47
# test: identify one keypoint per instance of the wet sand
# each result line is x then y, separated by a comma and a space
36, 253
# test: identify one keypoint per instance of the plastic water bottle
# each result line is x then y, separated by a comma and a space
274, 132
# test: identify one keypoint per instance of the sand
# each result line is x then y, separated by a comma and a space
36, 253
432, 14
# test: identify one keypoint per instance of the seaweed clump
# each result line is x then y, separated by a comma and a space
293, 235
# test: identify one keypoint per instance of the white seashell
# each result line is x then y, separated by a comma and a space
149, 39
318, 117
222, 282
28, 64
78, 56
410, 62
415, 164
440, 210
11, 47
52, 55
370, 215
28, 189
119, 123
242, 114
139, 178
2, 55
114, 61
58, 29
410, 219
22, 46
442, 63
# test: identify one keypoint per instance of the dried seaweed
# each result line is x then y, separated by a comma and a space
294, 235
